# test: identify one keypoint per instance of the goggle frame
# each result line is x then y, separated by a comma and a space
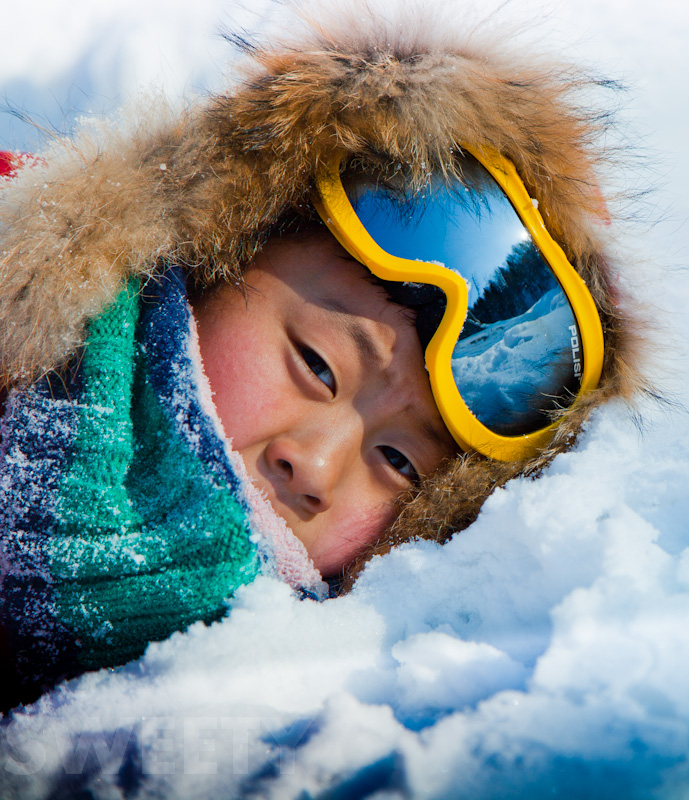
336, 211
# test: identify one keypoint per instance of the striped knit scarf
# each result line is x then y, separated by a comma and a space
124, 513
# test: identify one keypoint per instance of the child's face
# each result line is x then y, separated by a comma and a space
319, 380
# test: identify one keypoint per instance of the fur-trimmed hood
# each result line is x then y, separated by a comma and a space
206, 187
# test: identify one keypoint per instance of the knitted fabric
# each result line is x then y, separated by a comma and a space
124, 514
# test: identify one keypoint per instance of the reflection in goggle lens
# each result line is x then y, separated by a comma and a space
518, 358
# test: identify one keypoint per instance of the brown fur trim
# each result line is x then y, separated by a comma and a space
435, 511
206, 187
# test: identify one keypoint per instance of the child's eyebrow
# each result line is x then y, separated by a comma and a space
365, 344
368, 351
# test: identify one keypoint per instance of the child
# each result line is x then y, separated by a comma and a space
125, 514
319, 382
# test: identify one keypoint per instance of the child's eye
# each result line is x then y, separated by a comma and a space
401, 463
319, 368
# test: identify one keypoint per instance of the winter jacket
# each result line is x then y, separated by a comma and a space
204, 189
124, 514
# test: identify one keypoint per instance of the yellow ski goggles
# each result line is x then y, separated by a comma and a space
519, 338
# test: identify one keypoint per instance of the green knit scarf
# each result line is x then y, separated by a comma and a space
147, 537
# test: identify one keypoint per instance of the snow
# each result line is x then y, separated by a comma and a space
541, 653
514, 360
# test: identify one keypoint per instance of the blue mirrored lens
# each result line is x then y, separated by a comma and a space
517, 359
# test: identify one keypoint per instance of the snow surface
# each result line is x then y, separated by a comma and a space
541, 653
507, 368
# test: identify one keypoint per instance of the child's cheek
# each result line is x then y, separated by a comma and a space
347, 534
245, 379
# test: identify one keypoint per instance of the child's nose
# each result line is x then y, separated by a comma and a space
309, 468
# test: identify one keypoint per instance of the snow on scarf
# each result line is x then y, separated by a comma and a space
124, 513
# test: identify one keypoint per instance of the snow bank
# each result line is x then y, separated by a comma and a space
540, 653
542, 650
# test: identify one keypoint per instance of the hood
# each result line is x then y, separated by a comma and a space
205, 186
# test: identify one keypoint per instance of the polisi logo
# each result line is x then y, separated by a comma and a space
576, 350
